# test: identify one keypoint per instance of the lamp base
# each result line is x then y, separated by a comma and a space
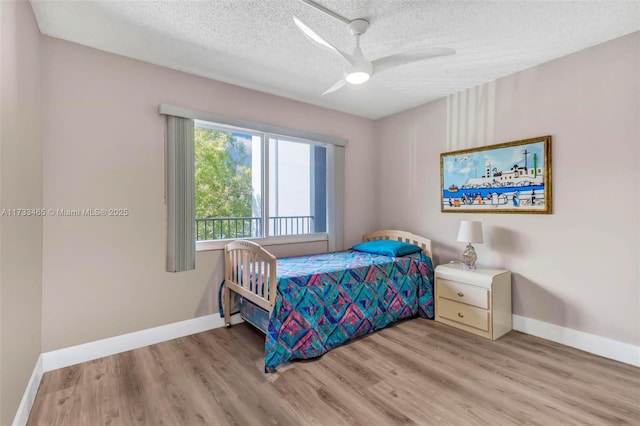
469, 257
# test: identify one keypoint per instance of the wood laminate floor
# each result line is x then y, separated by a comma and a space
416, 372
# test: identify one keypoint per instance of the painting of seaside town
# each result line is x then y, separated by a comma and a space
513, 177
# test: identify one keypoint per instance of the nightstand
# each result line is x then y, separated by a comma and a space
477, 301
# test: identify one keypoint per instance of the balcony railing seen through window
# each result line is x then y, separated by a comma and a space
223, 228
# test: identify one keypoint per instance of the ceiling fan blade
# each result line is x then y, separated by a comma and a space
335, 87
319, 40
403, 58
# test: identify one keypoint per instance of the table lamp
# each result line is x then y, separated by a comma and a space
470, 232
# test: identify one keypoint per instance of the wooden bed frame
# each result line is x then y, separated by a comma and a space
250, 270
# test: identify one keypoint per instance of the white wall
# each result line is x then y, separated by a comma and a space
579, 267
103, 148
20, 187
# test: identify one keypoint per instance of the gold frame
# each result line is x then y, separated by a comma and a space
504, 191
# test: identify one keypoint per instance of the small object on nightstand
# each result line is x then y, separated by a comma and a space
477, 301
470, 232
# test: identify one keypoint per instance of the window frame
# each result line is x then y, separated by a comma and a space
335, 175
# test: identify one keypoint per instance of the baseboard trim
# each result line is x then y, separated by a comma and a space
114, 345
29, 396
598, 345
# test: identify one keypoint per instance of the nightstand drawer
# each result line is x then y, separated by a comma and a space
464, 314
465, 293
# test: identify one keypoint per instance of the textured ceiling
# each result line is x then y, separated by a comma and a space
255, 44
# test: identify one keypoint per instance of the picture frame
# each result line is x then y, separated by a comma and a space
511, 177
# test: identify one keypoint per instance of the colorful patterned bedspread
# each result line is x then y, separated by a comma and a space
325, 300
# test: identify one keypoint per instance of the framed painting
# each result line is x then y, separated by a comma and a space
512, 177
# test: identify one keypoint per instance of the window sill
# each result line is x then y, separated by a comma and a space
270, 241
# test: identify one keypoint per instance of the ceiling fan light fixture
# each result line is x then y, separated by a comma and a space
360, 70
357, 77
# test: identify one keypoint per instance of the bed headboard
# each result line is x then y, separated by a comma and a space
406, 237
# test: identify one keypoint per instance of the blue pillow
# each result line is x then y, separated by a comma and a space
387, 248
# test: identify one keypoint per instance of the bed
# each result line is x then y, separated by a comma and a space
308, 305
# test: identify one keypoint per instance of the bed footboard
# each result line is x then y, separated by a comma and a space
250, 271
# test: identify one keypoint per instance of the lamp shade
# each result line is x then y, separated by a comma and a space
470, 232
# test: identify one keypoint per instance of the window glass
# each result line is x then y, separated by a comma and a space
297, 188
228, 175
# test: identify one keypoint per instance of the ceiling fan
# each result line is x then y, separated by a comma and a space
358, 69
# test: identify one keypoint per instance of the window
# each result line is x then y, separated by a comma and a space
228, 178
252, 184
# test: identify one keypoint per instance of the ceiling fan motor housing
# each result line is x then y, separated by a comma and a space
359, 65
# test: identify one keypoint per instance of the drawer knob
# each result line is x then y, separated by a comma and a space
460, 314
460, 294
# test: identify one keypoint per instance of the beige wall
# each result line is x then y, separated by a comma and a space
577, 268
103, 147
20, 187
